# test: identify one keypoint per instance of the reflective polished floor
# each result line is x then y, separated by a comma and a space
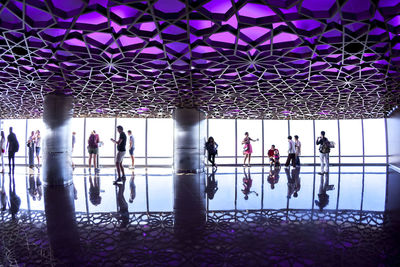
230, 217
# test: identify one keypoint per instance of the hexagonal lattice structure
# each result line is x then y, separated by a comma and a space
246, 59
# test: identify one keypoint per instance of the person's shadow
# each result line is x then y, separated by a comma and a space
323, 197
122, 205
212, 185
15, 200
247, 184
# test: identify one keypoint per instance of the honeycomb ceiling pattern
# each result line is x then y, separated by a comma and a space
309, 59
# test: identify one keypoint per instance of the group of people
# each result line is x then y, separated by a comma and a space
294, 151
34, 145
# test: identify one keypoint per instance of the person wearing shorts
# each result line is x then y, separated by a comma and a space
131, 147
93, 149
121, 148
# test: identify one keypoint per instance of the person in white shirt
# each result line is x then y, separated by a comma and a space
291, 152
298, 149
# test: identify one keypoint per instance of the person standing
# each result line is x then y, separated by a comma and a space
324, 149
31, 150
247, 148
72, 150
2, 150
93, 149
12, 147
298, 149
121, 147
291, 152
131, 147
38, 145
211, 147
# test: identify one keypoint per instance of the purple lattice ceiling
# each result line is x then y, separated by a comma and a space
231, 58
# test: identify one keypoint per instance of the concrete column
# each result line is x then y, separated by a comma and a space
57, 176
189, 139
57, 114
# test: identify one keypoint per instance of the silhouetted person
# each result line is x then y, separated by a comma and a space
13, 147
247, 184
122, 204
94, 190
31, 150
291, 152
2, 150
132, 188
212, 185
212, 148
15, 201
121, 147
323, 197
324, 150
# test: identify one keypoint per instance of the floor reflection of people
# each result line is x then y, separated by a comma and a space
273, 177
35, 187
94, 189
3, 194
323, 197
132, 188
15, 201
293, 181
122, 204
212, 185
247, 183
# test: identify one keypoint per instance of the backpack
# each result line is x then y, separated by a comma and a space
92, 141
325, 147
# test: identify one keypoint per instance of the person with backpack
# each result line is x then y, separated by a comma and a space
13, 147
324, 149
211, 147
93, 149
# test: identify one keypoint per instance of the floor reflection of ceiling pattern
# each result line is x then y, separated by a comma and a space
230, 58
236, 238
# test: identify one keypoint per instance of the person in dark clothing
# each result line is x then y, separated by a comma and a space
121, 147
211, 147
13, 147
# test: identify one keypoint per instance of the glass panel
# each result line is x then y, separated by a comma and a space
160, 137
304, 129
77, 125
354, 160
254, 128
381, 160
350, 191
351, 137
160, 193
137, 126
223, 132
374, 192
375, 137
19, 128
276, 133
